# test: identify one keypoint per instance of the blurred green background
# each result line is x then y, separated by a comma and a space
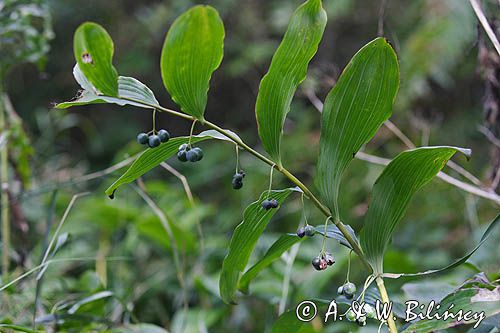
121, 246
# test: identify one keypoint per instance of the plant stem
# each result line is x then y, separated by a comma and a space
385, 299
4, 183
355, 246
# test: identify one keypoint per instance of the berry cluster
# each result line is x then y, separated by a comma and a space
238, 180
369, 312
268, 204
322, 261
188, 153
153, 140
347, 290
307, 230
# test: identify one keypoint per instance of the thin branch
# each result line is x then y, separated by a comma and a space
166, 225
381, 14
58, 229
450, 180
484, 22
489, 135
189, 194
401, 136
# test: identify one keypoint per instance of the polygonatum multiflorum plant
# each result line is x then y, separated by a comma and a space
359, 103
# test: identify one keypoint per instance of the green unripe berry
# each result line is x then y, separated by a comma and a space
142, 138
349, 288
164, 135
350, 315
154, 141
369, 311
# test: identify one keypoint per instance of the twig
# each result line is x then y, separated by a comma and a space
381, 14
189, 194
484, 22
489, 135
166, 225
58, 229
401, 136
450, 180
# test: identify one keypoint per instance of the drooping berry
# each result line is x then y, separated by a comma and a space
164, 135
340, 290
154, 141
191, 155
316, 262
181, 155
274, 203
329, 259
183, 146
142, 138
369, 311
237, 181
323, 264
266, 204
301, 232
349, 289
350, 315
310, 231
198, 152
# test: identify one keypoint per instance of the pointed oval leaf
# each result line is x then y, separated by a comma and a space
279, 247
151, 158
355, 108
245, 237
192, 51
391, 194
288, 69
93, 49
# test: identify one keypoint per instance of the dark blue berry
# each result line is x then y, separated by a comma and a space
301, 232
142, 138
329, 259
237, 183
198, 152
181, 155
183, 146
164, 135
154, 141
274, 203
191, 155
266, 204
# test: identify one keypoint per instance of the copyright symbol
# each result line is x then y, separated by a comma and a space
306, 311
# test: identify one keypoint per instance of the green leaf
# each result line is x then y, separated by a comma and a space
354, 110
477, 297
246, 234
287, 70
455, 264
153, 157
391, 194
130, 92
17, 328
93, 49
275, 251
333, 232
192, 51
95, 297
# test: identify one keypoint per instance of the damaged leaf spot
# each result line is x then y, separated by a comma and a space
87, 58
